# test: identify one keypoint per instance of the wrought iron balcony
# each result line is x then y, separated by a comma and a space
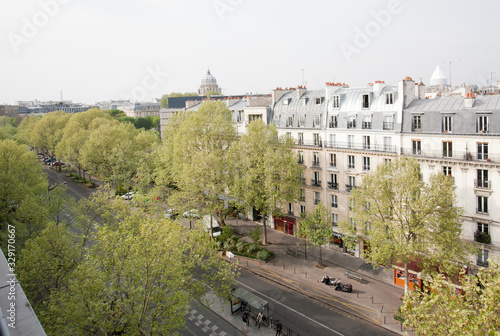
482, 237
388, 125
482, 184
316, 183
333, 185
361, 146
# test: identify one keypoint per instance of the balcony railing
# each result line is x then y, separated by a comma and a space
334, 205
482, 184
351, 124
290, 213
316, 201
316, 183
333, 185
315, 162
456, 155
349, 187
333, 125
310, 143
360, 146
301, 161
388, 125
333, 164
482, 237
366, 125
481, 262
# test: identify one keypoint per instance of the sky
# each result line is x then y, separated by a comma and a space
109, 50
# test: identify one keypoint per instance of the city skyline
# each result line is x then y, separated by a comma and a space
95, 51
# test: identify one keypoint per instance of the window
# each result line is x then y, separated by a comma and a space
319, 100
366, 101
447, 149
289, 121
352, 183
302, 210
389, 98
316, 180
351, 204
240, 116
351, 121
482, 125
304, 101
301, 138
336, 101
286, 101
290, 208
335, 219
350, 163
317, 121
387, 161
333, 142
388, 122
350, 141
317, 139
300, 154
447, 124
417, 149
277, 119
333, 181
302, 195
366, 163
482, 151
387, 144
482, 205
417, 123
482, 257
333, 121
302, 177
482, 178
335, 203
352, 224
447, 171
333, 160
317, 197
288, 135
315, 159
302, 121
366, 142
482, 227
367, 122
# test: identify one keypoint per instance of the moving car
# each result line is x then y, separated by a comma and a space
128, 196
171, 214
193, 213
215, 228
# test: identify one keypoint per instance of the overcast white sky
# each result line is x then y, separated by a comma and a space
101, 50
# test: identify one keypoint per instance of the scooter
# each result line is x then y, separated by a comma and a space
343, 287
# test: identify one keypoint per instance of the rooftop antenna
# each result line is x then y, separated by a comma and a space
449, 62
61, 97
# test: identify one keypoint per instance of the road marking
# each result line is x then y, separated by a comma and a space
295, 311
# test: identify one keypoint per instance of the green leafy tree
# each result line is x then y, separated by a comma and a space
212, 93
127, 119
117, 114
405, 219
164, 101
266, 174
48, 131
143, 122
7, 130
138, 280
25, 128
441, 311
317, 228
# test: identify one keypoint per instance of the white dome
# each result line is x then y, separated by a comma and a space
208, 78
438, 77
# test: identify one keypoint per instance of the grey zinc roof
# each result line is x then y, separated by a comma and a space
296, 104
443, 104
351, 100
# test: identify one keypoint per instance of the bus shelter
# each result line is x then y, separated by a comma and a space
244, 300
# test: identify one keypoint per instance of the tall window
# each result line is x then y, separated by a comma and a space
290, 208
482, 257
302, 210
366, 101
389, 98
352, 223
317, 121
417, 148
300, 154
482, 151
277, 119
333, 121
289, 121
315, 158
335, 219
333, 181
387, 144
333, 160
352, 183
482, 125
482, 204
316, 180
302, 121
350, 141
482, 178
388, 122
351, 121
366, 163
447, 124
319, 101
335, 203
447, 170
447, 149
483, 227
350, 163
336, 101
417, 123
317, 197
317, 139
302, 195
366, 142
301, 138
367, 122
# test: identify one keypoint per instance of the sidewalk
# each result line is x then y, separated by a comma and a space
375, 299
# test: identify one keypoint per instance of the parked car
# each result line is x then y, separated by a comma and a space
193, 213
171, 214
58, 163
128, 196
214, 228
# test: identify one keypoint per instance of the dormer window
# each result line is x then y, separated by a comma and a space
317, 121
336, 101
289, 121
366, 101
319, 101
389, 98
286, 101
302, 121
304, 101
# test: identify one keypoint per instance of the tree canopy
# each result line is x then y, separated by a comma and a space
317, 227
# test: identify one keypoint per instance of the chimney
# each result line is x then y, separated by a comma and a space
407, 88
277, 93
377, 87
301, 89
469, 100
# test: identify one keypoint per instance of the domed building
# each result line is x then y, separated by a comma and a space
438, 77
208, 83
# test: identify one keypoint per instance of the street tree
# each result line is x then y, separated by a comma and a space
266, 174
317, 228
48, 131
201, 157
404, 219
138, 279
7, 129
441, 311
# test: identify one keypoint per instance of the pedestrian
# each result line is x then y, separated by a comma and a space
279, 327
245, 321
258, 319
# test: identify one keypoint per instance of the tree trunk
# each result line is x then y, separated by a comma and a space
320, 257
305, 249
264, 241
406, 278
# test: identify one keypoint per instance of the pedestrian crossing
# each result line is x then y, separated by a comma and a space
205, 324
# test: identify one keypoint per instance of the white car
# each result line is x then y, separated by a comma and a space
193, 213
128, 196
